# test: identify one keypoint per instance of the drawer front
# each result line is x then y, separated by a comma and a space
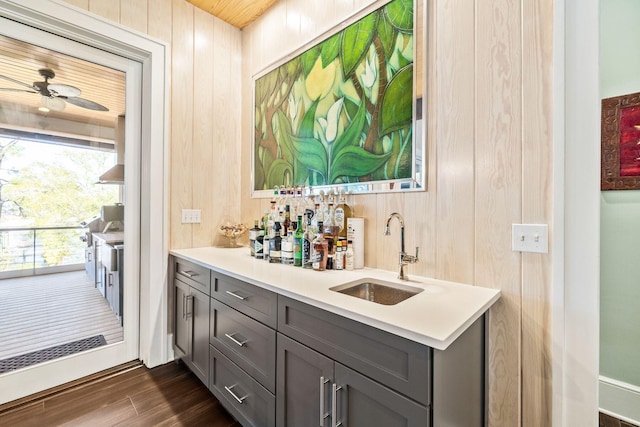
401, 364
251, 300
194, 275
247, 342
242, 396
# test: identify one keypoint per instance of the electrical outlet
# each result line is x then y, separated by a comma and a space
530, 238
191, 216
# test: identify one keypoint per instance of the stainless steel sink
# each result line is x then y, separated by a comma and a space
377, 291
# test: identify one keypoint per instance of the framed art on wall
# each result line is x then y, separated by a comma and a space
620, 138
344, 110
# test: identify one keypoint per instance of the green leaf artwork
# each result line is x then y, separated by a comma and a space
342, 111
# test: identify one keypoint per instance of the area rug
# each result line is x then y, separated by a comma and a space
39, 356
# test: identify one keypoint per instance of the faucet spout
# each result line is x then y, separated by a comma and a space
404, 259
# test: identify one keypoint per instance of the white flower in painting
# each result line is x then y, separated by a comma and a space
370, 73
330, 124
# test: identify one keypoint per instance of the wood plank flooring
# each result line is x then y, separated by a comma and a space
168, 395
38, 312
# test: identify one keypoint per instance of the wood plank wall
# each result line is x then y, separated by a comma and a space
489, 155
204, 108
489, 152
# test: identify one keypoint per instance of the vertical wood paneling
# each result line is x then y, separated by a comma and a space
82, 4
454, 105
109, 9
205, 185
182, 123
536, 209
498, 195
159, 20
133, 14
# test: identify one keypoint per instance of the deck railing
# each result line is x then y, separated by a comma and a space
26, 251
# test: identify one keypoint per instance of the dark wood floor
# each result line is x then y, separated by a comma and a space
169, 395
608, 421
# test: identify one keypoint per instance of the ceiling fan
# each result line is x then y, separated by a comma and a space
54, 95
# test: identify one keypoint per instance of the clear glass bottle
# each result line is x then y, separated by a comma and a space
275, 245
349, 257
253, 235
287, 219
259, 244
287, 249
343, 212
307, 241
298, 243
320, 251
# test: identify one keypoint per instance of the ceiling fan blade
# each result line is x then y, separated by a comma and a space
17, 82
8, 89
64, 90
85, 103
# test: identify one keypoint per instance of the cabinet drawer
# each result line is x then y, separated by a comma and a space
400, 364
251, 300
247, 342
194, 275
246, 399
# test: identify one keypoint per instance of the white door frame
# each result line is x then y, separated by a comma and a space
60, 18
576, 241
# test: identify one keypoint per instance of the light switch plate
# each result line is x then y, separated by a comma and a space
191, 216
530, 238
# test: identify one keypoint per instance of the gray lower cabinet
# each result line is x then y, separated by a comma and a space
275, 361
315, 390
191, 330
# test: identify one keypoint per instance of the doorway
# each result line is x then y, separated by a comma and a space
59, 52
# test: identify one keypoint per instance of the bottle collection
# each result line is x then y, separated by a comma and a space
304, 230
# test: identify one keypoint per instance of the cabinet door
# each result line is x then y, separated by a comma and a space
182, 329
361, 402
303, 384
198, 306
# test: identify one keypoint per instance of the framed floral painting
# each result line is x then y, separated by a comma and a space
343, 111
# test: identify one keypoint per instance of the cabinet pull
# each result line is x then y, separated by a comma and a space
233, 294
323, 413
189, 306
190, 274
239, 343
110, 279
240, 400
184, 306
334, 405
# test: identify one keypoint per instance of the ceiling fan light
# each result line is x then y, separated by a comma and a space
55, 104
43, 109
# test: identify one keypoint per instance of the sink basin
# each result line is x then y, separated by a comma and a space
377, 291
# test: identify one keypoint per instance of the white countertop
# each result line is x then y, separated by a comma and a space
434, 317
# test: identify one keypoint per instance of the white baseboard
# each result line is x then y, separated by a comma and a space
620, 400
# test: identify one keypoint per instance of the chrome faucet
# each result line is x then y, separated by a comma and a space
404, 257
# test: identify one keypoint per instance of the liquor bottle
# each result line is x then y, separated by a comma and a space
275, 245
307, 240
253, 235
319, 251
348, 257
259, 244
298, 243
287, 219
343, 212
287, 249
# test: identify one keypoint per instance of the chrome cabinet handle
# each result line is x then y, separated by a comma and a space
240, 400
233, 294
334, 405
184, 306
239, 343
190, 274
110, 282
323, 413
189, 306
